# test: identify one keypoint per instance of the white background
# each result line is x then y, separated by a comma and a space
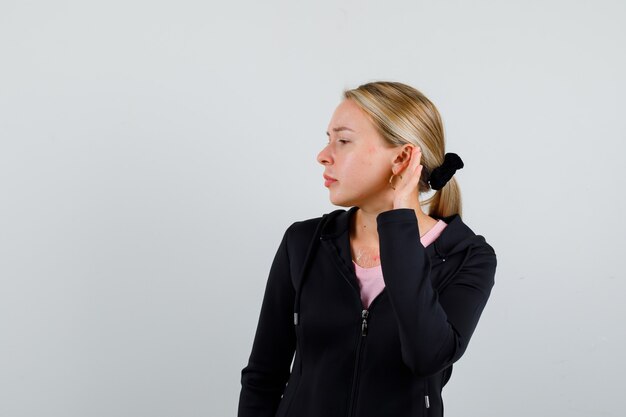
152, 154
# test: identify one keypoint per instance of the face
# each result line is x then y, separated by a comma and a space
358, 158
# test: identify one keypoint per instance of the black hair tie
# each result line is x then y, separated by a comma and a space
442, 174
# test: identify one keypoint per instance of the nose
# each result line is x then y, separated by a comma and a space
324, 156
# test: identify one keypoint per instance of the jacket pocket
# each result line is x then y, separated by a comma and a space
287, 400
426, 398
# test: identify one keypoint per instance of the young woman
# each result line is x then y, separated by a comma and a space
377, 301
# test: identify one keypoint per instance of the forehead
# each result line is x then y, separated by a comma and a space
349, 114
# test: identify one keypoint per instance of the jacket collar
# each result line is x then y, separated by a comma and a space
454, 238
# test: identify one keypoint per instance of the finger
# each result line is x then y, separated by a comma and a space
416, 156
417, 173
416, 153
414, 162
414, 170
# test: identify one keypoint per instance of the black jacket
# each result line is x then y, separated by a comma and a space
391, 359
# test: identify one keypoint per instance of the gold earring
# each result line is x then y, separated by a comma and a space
390, 178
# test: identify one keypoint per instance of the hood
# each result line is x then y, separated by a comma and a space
456, 237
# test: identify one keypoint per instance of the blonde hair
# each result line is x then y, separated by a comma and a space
403, 115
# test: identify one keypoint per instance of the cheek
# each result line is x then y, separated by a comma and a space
364, 169
357, 164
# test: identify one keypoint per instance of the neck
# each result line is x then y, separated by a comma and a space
364, 228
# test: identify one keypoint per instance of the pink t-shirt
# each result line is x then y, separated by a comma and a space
371, 280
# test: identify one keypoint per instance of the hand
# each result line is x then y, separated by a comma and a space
406, 194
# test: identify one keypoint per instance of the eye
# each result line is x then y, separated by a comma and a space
342, 141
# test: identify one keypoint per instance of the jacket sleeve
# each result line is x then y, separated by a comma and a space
264, 378
434, 329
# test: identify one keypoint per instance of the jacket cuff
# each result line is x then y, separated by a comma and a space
399, 215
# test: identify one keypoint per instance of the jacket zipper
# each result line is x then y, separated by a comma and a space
365, 314
357, 363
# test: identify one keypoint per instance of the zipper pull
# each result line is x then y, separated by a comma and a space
427, 401
364, 315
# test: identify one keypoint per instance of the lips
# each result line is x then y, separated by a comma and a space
328, 181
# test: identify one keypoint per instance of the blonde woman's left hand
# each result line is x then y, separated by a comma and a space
406, 194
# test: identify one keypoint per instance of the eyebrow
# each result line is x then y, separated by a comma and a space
339, 129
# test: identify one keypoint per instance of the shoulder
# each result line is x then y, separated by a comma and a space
476, 262
458, 236
308, 225
305, 229
301, 236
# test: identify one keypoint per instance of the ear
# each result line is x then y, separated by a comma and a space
401, 158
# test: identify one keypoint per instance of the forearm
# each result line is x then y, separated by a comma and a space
434, 332
263, 379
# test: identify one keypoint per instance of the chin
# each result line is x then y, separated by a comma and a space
341, 202
335, 200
